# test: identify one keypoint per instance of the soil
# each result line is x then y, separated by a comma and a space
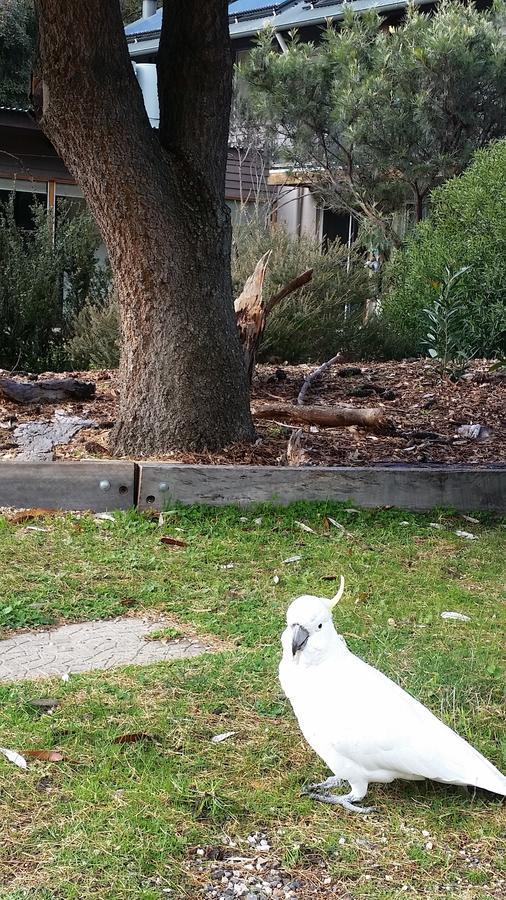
425, 409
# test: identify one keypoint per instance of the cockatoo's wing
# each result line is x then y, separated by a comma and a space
384, 730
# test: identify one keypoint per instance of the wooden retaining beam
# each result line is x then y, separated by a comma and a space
98, 485
464, 488
102, 485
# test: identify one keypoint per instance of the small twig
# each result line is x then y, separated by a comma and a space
314, 376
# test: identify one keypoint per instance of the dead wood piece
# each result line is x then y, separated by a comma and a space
314, 376
295, 453
46, 391
250, 313
325, 416
251, 309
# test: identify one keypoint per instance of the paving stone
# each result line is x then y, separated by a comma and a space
89, 646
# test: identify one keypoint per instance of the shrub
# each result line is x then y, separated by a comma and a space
95, 344
45, 279
466, 230
308, 325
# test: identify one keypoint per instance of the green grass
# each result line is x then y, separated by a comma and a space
123, 821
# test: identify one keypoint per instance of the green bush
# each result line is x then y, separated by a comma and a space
466, 229
309, 325
95, 344
45, 279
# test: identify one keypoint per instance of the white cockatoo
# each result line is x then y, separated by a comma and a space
363, 725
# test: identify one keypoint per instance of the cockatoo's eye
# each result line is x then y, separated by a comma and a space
320, 625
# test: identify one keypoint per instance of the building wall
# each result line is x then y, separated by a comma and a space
298, 211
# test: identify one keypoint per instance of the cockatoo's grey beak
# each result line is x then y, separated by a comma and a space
299, 638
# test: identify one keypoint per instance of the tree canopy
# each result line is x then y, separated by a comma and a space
17, 41
379, 116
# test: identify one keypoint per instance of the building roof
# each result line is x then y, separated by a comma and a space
248, 17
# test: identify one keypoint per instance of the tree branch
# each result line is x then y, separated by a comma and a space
195, 86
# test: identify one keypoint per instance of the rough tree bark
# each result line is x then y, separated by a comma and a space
159, 203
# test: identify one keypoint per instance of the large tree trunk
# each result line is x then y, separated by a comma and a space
159, 203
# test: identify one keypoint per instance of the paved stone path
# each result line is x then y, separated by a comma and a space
87, 646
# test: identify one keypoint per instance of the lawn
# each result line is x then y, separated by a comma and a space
126, 820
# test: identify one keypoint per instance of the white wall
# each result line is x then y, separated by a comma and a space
298, 212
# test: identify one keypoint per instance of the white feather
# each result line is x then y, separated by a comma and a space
364, 726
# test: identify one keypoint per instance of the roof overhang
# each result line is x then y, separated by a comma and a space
298, 15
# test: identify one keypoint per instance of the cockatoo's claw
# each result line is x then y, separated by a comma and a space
322, 786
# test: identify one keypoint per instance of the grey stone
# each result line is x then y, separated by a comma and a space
89, 646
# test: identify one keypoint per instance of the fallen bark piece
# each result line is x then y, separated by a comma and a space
36, 440
325, 416
46, 391
474, 432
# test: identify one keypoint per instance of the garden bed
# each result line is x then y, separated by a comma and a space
425, 409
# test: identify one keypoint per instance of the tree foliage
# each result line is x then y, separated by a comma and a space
466, 232
17, 41
379, 117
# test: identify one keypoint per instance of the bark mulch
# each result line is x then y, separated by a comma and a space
426, 411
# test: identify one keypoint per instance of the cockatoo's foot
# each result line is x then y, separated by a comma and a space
346, 801
323, 786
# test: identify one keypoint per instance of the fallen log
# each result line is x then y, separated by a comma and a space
324, 416
48, 391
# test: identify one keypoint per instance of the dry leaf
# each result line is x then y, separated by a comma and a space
466, 534
335, 524
104, 517
305, 527
14, 757
133, 738
471, 519
291, 559
172, 541
25, 515
219, 738
276, 579
330, 577
47, 755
